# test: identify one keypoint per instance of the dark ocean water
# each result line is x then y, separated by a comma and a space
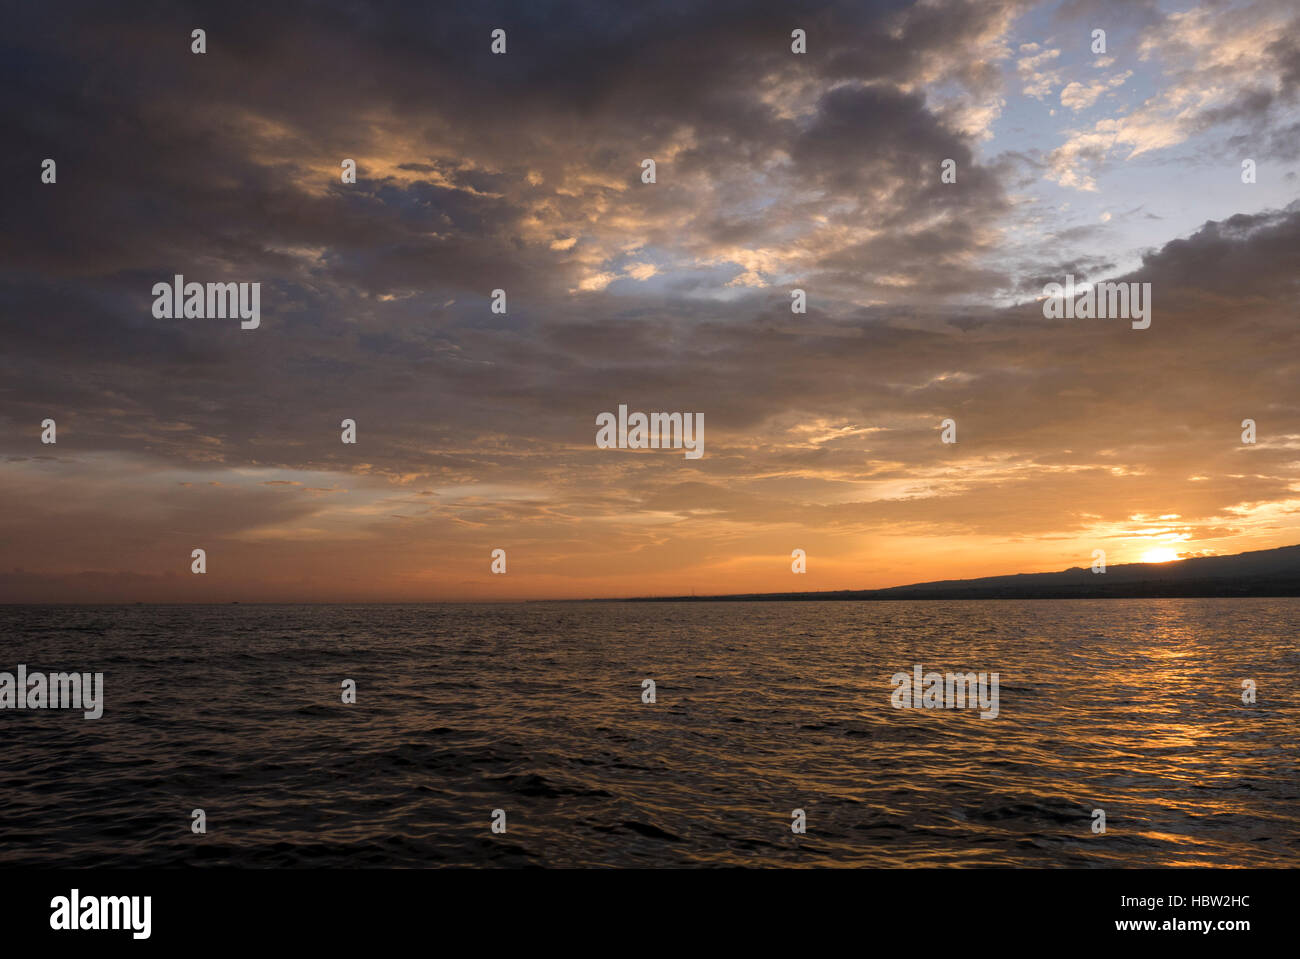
1132, 706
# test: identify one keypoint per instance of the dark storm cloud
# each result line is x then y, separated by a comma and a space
186, 144
219, 167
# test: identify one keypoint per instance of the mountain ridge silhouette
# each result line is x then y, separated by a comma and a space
1266, 572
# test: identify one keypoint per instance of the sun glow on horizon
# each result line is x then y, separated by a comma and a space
1162, 555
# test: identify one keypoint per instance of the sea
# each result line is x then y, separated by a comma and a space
1176, 719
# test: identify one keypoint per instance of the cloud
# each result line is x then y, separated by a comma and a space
1037, 76
1077, 96
1222, 64
522, 173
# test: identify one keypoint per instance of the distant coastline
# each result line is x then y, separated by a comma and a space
1261, 573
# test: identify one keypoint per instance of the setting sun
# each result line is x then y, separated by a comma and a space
1163, 555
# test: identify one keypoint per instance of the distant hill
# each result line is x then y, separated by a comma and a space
1266, 572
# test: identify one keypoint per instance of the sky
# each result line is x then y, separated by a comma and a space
523, 171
